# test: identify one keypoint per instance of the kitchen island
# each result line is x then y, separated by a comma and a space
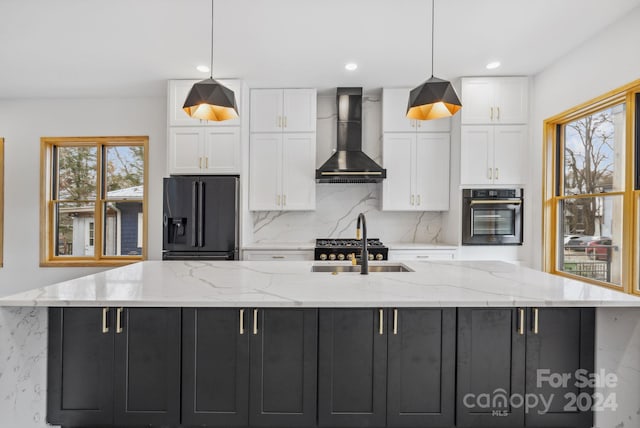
253, 285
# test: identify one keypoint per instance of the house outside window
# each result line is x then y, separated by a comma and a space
592, 191
94, 190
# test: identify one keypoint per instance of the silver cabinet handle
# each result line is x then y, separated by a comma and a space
278, 200
419, 200
279, 122
119, 321
395, 321
422, 257
206, 162
419, 122
490, 173
284, 200
255, 322
277, 257
200, 162
521, 321
535, 321
496, 175
491, 113
412, 122
105, 325
381, 321
498, 116
241, 321
285, 122
412, 200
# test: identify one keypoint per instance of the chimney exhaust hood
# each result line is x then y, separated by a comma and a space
349, 164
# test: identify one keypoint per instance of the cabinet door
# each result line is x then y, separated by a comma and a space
352, 366
299, 110
266, 110
298, 172
221, 150
421, 371
562, 344
265, 165
147, 367
432, 172
215, 367
476, 155
397, 156
185, 150
478, 101
80, 367
511, 100
508, 151
178, 91
491, 354
284, 374
394, 111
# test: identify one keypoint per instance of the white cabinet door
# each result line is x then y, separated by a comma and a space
185, 155
299, 110
266, 110
178, 91
397, 158
476, 154
432, 172
265, 181
511, 100
508, 151
477, 100
298, 172
221, 150
394, 115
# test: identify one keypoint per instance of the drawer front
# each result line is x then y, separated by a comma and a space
423, 255
287, 255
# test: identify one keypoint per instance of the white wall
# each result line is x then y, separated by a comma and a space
605, 62
22, 123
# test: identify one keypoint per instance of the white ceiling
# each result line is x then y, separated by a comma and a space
75, 48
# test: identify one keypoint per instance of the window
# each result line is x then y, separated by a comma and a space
1, 199
592, 193
94, 200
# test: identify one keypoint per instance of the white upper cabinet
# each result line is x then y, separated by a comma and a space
204, 150
495, 100
417, 171
394, 115
282, 172
178, 91
283, 110
492, 155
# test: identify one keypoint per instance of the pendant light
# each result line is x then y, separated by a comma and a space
435, 98
209, 99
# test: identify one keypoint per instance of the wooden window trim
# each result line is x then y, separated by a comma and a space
551, 161
47, 257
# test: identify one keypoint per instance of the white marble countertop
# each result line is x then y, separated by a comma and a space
292, 284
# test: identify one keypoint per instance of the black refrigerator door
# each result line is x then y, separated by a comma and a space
180, 227
217, 206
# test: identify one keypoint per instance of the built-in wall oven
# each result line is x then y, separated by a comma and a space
492, 216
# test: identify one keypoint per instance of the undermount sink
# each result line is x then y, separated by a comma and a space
351, 268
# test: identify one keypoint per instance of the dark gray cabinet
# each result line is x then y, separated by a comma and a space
421, 367
249, 367
352, 368
500, 353
114, 366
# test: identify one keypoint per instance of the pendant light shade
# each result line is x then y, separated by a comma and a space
209, 99
435, 98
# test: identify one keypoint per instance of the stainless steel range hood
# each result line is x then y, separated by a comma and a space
349, 164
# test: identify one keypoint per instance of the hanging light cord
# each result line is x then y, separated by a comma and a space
433, 2
211, 68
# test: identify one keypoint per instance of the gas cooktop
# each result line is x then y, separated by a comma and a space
344, 249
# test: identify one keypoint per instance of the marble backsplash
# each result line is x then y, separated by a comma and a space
337, 209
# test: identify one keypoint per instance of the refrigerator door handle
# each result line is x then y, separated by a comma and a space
201, 213
194, 213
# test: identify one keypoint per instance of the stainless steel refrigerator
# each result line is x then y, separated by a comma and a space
200, 220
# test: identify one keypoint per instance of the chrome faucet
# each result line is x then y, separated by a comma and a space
364, 257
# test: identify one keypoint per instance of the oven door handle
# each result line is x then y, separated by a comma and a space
495, 202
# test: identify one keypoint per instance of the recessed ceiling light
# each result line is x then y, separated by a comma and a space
351, 66
493, 65
203, 69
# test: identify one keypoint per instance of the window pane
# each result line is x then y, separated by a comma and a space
594, 152
124, 172
121, 228
74, 229
76, 177
592, 241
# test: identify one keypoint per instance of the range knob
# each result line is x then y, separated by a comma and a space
323, 256
341, 256
379, 256
349, 256
370, 256
332, 256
